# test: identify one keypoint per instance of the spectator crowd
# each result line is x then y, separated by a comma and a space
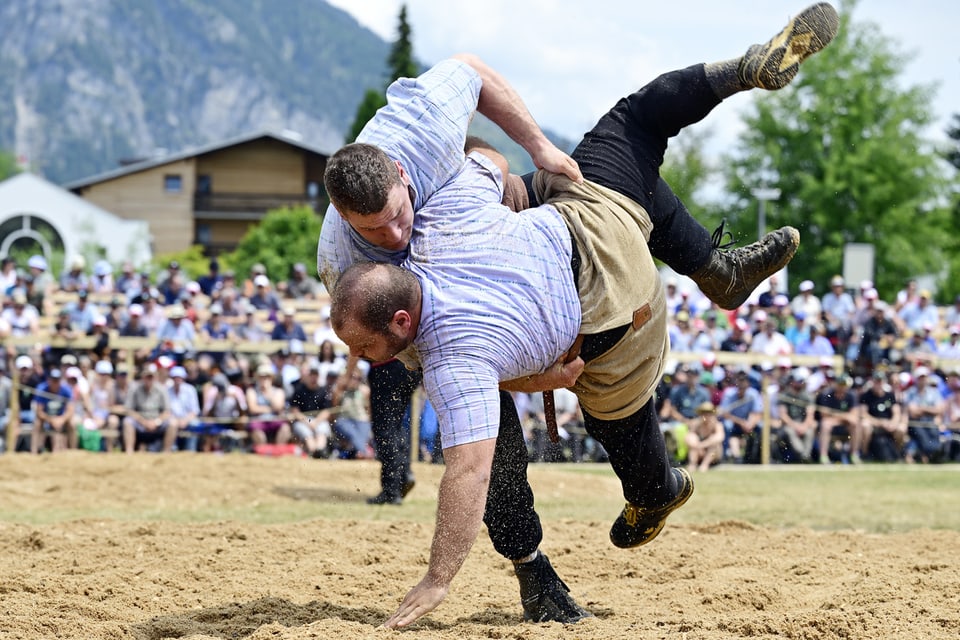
251, 363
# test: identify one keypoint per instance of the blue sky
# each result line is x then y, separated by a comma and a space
546, 48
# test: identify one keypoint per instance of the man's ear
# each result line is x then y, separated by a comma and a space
404, 178
402, 320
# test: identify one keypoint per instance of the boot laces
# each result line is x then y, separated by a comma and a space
718, 237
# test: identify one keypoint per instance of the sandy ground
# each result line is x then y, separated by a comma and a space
71, 574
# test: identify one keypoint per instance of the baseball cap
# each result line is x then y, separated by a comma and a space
24, 362
261, 281
780, 300
289, 311
836, 281
136, 309
176, 311
149, 369
37, 262
104, 367
102, 268
265, 369
178, 372
166, 362
871, 294
921, 371
806, 285
74, 372
100, 321
55, 374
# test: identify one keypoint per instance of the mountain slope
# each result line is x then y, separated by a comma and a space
88, 83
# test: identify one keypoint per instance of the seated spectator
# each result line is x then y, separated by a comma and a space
154, 314
352, 424
224, 408
839, 417
884, 431
263, 297
177, 331
82, 312
310, 406
53, 414
950, 424
287, 328
949, 349
184, 408
919, 312
838, 310
681, 333
174, 290
99, 413
738, 340
925, 408
117, 315
101, 337
8, 275
817, 343
704, 439
42, 283
127, 281
30, 378
62, 329
301, 286
148, 415
329, 360
769, 340
134, 328
230, 307
23, 318
877, 334
266, 403
212, 279
740, 410
73, 277
797, 418
250, 330
102, 280
686, 395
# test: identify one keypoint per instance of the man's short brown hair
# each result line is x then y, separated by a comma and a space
359, 177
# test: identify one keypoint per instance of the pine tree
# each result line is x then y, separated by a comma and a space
400, 63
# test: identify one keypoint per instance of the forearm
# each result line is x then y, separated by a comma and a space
558, 376
460, 506
500, 102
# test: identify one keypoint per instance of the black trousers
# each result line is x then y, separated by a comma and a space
391, 387
677, 239
623, 152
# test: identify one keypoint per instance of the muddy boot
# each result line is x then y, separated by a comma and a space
731, 275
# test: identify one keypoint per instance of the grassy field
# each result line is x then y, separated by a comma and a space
872, 498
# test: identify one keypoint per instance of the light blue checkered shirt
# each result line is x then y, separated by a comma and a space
423, 127
499, 301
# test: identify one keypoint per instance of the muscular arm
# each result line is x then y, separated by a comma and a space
460, 505
502, 104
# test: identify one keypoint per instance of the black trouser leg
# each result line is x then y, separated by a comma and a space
511, 520
638, 455
391, 387
625, 149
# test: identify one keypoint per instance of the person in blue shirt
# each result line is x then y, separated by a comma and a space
53, 415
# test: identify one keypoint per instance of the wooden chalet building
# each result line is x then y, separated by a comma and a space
211, 195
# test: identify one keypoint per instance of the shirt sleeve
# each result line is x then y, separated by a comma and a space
466, 398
